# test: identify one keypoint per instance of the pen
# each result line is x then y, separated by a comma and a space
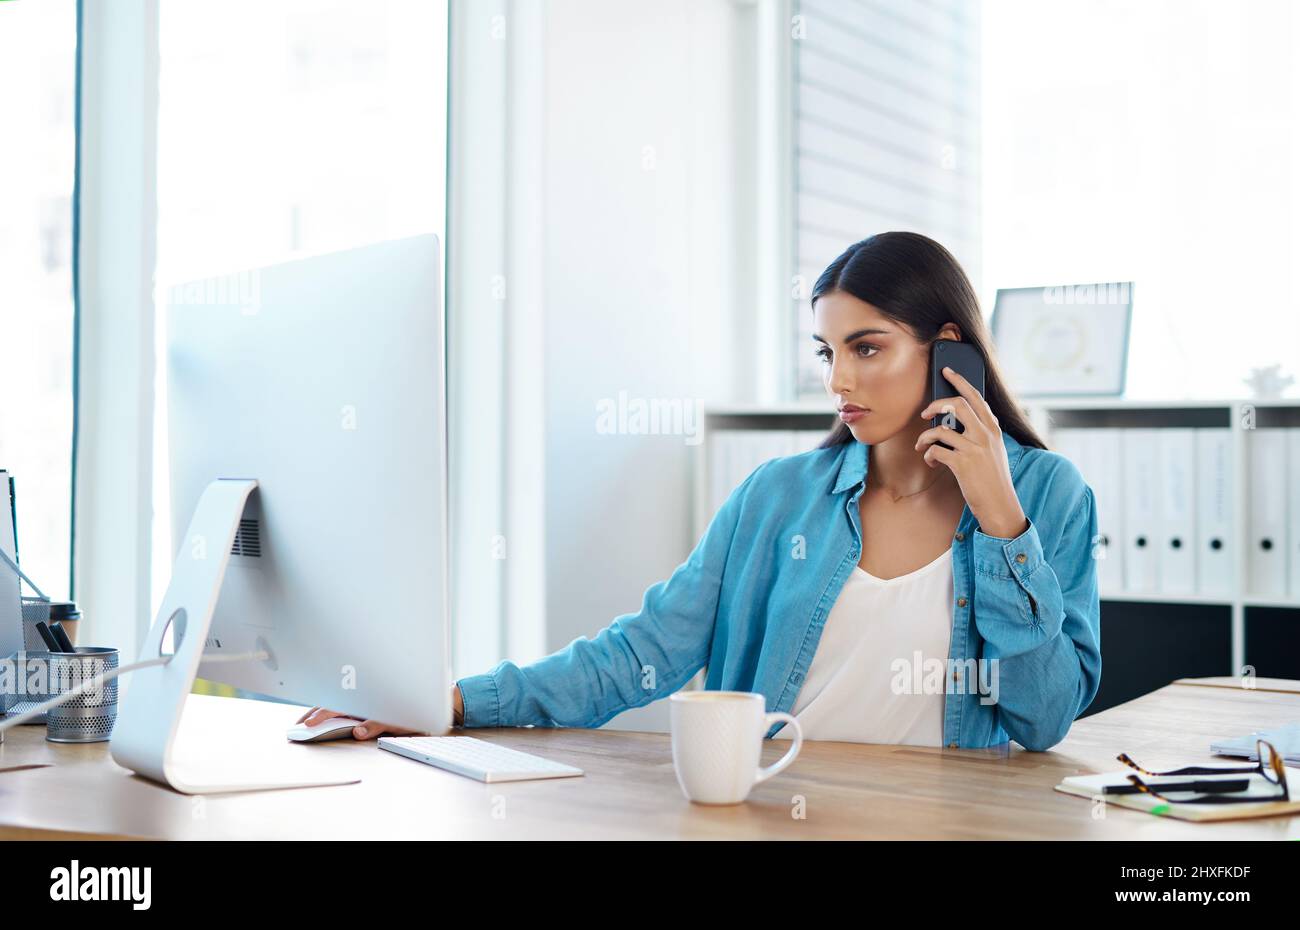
61, 636
1204, 787
51, 643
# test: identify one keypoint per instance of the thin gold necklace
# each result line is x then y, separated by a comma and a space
914, 493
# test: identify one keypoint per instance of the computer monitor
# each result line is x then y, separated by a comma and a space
321, 380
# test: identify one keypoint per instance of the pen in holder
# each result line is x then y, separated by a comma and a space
88, 717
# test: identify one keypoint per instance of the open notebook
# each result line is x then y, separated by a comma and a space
1090, 786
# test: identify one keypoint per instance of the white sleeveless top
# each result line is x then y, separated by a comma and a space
880, 669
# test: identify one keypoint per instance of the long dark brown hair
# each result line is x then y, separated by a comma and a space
915, 281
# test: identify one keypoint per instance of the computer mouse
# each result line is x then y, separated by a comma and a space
333, 728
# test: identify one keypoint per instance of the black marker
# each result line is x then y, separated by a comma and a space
1225, 786
51, 643
61, 635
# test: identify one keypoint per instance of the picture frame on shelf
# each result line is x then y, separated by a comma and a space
1064, 341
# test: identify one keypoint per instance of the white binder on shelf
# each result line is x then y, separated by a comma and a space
738, 455
806, 439
1106, 462
766, 444
1141, 512
732, 453
1098, 454
719, 464
1176, 505
735, 453
1293, 506
1266, 562
1069, 442
749, 453
1216, 547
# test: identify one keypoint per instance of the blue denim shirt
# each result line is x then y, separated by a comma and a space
752, 598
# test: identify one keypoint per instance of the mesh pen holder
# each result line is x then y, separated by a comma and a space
88, 717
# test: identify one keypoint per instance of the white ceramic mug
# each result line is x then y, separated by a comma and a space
717, 739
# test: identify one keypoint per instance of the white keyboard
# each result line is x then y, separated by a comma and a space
475, 758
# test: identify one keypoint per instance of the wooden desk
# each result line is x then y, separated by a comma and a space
849, 790
1259, 684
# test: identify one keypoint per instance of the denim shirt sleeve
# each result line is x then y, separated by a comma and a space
1040, 618
639, 658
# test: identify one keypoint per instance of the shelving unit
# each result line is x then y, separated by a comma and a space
1049, 415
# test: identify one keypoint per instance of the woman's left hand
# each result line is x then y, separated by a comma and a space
977, 457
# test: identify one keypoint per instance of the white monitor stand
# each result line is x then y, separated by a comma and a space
144, 734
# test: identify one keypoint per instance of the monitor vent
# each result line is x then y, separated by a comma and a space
247, 541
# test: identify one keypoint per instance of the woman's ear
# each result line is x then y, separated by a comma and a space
950, 331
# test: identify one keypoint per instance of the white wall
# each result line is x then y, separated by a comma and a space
1155, 142
642, 253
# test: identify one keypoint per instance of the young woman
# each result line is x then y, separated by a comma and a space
881, 588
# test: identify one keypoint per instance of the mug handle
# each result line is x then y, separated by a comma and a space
781, 763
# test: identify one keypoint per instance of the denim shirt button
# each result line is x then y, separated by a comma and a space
961, 602
1020, 557
960, 537
952, 745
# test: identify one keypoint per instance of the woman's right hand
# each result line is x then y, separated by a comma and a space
365, 729
372, 729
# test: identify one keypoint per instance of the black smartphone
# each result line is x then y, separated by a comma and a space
961, 357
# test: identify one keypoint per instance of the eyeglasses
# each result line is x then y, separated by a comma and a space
1271, 767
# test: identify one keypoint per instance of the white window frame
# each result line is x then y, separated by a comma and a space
495, 314
113, 459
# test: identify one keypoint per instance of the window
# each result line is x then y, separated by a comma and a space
38, 49
886, 135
